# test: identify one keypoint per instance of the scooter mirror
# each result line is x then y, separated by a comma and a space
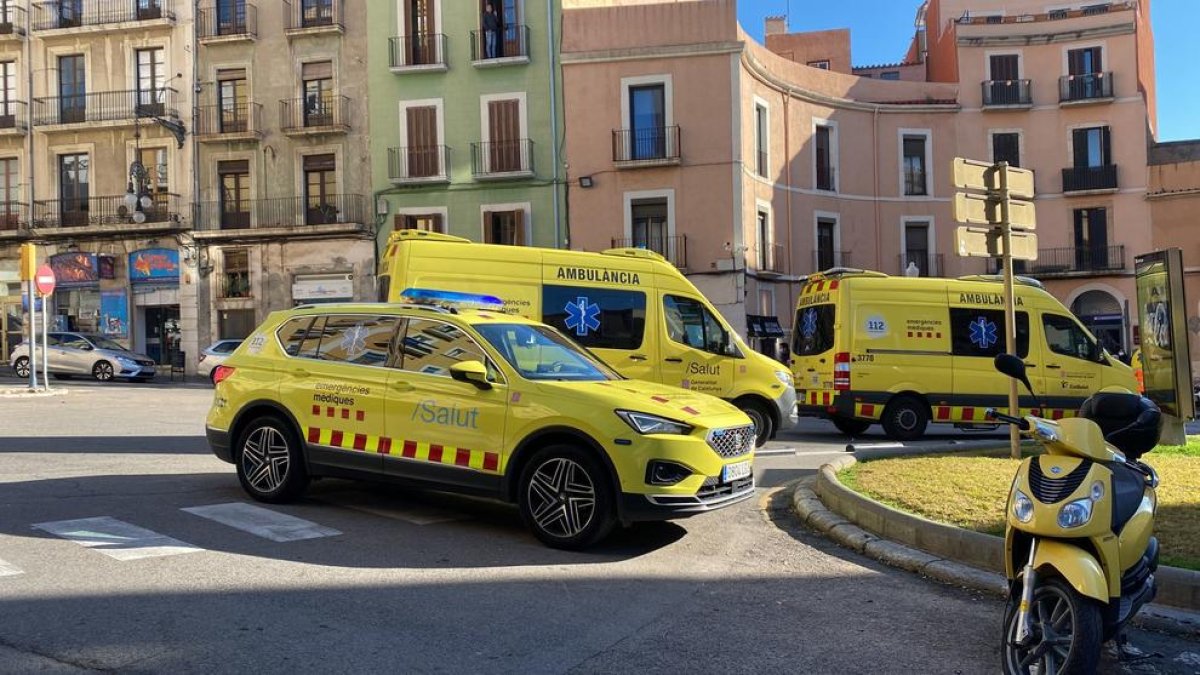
1013, 367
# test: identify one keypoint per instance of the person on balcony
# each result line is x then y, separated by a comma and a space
491, 31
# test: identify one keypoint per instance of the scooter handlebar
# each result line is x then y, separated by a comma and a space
1020, 422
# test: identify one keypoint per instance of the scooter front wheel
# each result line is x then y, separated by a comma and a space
1066, 635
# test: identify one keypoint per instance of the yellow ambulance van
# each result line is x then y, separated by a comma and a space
903, 352
630, 307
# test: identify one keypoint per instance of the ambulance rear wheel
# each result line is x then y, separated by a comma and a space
566, 498
269, 461
764, 428
851, 426
905, 419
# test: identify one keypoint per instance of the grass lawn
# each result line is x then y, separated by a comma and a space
971, 490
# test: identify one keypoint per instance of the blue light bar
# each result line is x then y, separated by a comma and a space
434, 297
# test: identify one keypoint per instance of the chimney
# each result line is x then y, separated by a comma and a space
776, 25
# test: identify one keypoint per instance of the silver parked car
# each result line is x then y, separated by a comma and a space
83, 354
214, 355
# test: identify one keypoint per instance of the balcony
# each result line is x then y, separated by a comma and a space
75, 16
499, 160
234, 284
107, 106
673, 248
14, 216
1084, 89
1071, 261
315, 116
281, 217
417, 53
12, 22
511, 48
1007, 94
827, 260
313, 17
928, 264
14, 118
1089, 179
655, 146
428, 164
103, 215
219, 124
223, 23
769, 259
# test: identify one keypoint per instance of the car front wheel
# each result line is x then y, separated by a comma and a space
21, 367
566, 498
269, 462
102, 371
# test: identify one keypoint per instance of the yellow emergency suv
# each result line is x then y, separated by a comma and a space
903, 352
630, 307
476, 401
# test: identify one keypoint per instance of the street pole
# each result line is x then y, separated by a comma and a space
33, 383
45, 345
1010, 307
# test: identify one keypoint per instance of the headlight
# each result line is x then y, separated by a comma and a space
1076, 513
785, 377
1022, 507
126, 361
644, 423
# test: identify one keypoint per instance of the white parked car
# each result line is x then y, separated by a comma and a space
83, 354
214, 355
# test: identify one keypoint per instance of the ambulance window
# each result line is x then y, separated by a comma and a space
980, 332
814, 330
1065, 337
359, 339
310, 343
291, 334
431, 347
690, 323
597, 318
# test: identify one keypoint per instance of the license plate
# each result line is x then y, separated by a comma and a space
735, 471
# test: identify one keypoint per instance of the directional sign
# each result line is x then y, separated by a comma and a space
982, 242
981, 176
44, 280
979, 210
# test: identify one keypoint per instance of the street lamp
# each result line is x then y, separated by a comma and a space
137, 197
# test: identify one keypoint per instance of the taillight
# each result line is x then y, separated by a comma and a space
202, 357
841, 371
222, 373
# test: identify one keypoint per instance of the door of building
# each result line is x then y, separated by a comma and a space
162, 333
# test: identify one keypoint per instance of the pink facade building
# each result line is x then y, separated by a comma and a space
751, 166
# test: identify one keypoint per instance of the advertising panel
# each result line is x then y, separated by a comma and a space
75, 270
1162, 319
154, 266
114, 314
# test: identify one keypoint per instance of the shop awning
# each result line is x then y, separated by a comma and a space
763, 326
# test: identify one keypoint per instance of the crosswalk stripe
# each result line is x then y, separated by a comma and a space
8, 569
262, 522
415, 515
117, 539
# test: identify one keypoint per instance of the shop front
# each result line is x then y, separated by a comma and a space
77, 296
154, 285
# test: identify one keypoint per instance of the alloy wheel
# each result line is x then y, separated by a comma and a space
102, 371
22, 367
562, 498
1048, 649
265, 459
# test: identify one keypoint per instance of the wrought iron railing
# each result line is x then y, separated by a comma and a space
12, 19
307, 15
827, 259
314, 113
673, 248
13, 215
1085, 87
228, 20
509, 42
13, 115
769, 258
1071, 260
280, 212
106, 210
653, 144
826, 177
217, 120
928, 264
498, 158
79, 13
1081, 178
105, 106
419, 164
1007, 92
411, 51
234, 284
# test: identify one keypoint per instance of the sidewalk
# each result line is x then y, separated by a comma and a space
10, 381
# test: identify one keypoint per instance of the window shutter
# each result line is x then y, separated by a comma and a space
319, 162
231, 74
1106, 143
318, 70
234, 166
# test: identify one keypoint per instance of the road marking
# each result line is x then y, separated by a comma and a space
262, 522
117, 539
9, 570
379, 506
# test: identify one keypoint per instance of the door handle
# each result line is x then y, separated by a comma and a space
401, 385
300, 372
1055, 366
812, 370
821, 361
637, 357
673, 360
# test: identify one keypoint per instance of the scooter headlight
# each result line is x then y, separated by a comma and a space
1022, 508
1076, 513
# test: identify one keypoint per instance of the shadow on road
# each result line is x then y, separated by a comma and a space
124, 445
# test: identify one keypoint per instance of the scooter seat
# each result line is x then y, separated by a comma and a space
1128, 488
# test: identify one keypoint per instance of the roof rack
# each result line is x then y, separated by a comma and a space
999, 278
634, 252
404, 305
415, 235
839, 272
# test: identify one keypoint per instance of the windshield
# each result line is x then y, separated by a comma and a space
105, 343
542, 353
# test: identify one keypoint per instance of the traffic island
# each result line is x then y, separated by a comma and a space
26, 392
952, 554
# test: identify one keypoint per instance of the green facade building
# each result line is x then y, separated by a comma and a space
466, 119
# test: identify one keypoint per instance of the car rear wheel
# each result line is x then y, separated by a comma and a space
566, 498
102, 371
764, 428
851, 426
269, 462
905, 419
21, 367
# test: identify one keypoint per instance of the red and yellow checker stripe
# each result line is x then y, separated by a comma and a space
419, 451
949, 413
817, 397
820, 286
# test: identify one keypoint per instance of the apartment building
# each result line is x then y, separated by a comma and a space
467, 120
756, 165
94, 96
282, 214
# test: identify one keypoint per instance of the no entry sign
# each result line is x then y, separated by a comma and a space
44, 280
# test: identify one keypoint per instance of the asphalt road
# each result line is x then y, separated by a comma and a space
374, 579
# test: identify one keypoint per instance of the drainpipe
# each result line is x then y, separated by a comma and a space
875, 169
787, 180
554, 152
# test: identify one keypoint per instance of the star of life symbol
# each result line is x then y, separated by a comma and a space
983, 333
583, 316
354, 341
809, 323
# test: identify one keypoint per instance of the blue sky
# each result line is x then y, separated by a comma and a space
880, 31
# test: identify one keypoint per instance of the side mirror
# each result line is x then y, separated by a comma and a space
471, 371
1013, 367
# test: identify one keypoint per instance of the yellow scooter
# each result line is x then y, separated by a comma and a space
1079, 554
